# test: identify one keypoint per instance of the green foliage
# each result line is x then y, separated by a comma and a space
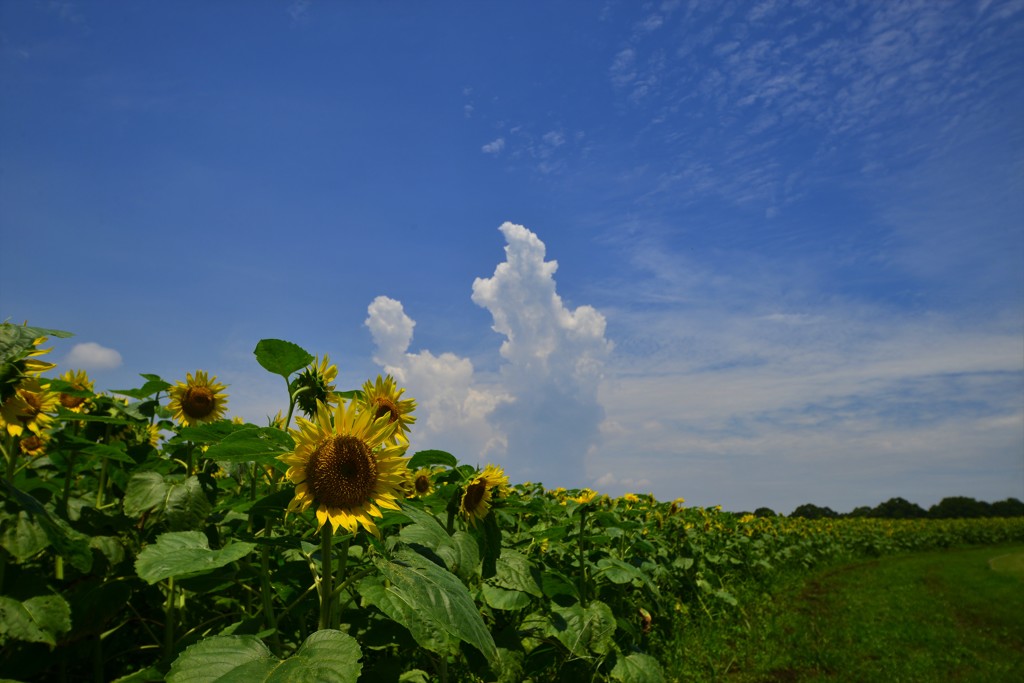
136, 560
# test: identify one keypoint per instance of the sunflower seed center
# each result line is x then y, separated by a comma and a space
198, 402
343, 472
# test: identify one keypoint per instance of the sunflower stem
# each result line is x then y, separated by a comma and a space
583, 557
9, 454
169, 617
266, 590
103, 482
326, 575
188, 459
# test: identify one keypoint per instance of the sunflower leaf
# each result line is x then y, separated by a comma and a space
435, 599
637, 668
325, 655
185, 553
253, 444
431, 457
36, 620
281, 357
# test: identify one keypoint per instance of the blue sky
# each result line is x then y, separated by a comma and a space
746, 253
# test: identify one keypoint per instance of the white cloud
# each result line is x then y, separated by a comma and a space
540, 415
92, 356
494, 147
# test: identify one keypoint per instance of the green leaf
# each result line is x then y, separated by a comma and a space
437, 597
326, 655
36, 620
23, 537
637, 668
584, 630
281, 357
432, 457
185, 553
618, 571
251, 444
70, 544
505, 598
146, 491
211, 432
424, 631
186, 505
151, 387
16, 339
110, 451
515, 572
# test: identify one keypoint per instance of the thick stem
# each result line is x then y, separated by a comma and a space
10, 453
103, 482
169, 618
326, 576
583, 556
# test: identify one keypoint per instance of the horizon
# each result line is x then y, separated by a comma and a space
752, 256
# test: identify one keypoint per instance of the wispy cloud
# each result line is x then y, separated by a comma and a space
494, 146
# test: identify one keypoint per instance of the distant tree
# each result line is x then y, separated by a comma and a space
862, 511
957, 507
764, 512
898, 508
812, 511
1011, 507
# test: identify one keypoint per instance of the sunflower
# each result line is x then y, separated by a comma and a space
347, 466
34, 444
79, 381
315, 383
198, 400
27, 408
19, 364
585, 496
476, 499
423, 482
384, 397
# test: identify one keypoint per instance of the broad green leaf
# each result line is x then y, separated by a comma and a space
23, 537
281, 357
618, 571
70, 544
186, 506
147, 675
66, 415
36, 620
424, 631
458, 552
505, 598
515, 572
185, 553
15, 339
637, 668
211, 432
151, 387
431, 457
146, 491
584, 630
111, 451
437, 597
326, 655
251, 444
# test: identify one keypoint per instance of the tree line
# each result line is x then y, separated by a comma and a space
953, 507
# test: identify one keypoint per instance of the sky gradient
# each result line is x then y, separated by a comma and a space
745, 253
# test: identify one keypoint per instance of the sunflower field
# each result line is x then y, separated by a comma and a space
145, 537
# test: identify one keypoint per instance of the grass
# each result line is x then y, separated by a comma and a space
953, 615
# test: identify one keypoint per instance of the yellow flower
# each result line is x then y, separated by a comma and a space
198, 400
315, 383
346, 466
476, 499
423, 482
631, 498
79, 381
34, 444
384, 397
585, 496
27, 408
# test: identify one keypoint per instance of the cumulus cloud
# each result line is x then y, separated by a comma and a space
494, 147
92, 356
453, 405
540, 415
554, 359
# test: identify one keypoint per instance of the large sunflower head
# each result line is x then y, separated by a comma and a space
34, 444
477, 496
198, 400
384, 398
28, 407
79, 381
315, 383
346, 465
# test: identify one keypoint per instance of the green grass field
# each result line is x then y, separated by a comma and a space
953, 615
